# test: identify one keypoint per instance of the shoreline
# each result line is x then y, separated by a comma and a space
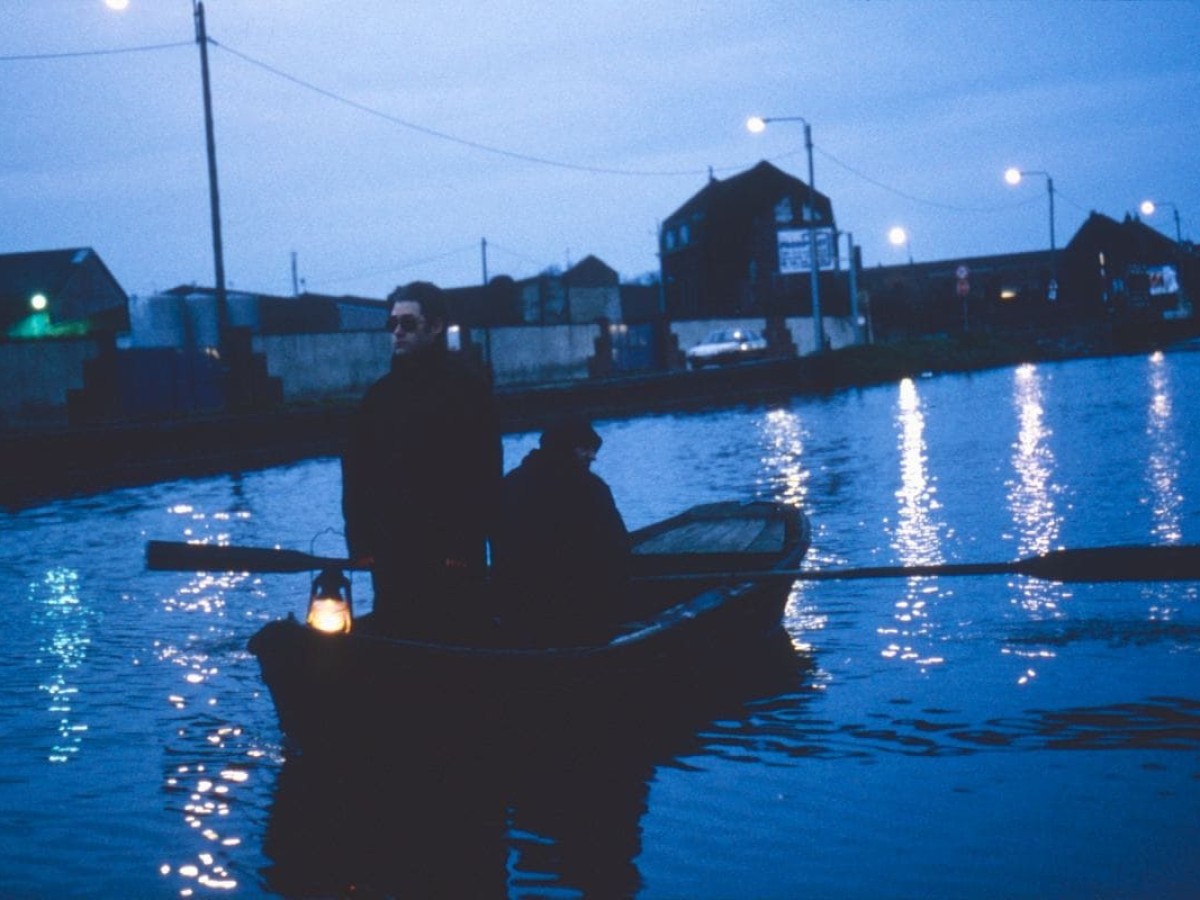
45, 464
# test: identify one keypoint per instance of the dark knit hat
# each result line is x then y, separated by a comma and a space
570, 432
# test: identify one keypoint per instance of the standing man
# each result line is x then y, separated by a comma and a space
421, 472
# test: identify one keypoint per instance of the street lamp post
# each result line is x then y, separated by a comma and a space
1014, 176
1149, 206
756, 124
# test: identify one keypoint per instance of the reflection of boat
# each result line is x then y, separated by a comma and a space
692, 626
501, 803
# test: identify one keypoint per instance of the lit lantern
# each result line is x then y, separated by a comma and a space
329, 605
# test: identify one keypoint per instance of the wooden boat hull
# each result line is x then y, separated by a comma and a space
694, 632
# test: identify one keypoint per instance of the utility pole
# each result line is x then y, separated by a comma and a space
213, 192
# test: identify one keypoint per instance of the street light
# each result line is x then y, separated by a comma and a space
1013, 176
898, 237
1149, 206
756, 125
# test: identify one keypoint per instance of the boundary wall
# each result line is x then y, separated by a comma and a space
36, 376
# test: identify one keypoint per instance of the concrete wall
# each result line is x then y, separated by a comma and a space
531, 354
35, 377
326, 366
839, 331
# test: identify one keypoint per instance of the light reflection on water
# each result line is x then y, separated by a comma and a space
67, 627
1162, 464
916, 536
162, 737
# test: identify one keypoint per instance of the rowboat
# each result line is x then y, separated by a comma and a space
693, 624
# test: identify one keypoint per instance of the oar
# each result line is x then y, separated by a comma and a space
1128, 563
174, 556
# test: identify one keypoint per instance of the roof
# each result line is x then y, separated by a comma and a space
747, 194
43, 272
75, 281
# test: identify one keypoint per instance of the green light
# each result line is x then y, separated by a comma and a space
38, 302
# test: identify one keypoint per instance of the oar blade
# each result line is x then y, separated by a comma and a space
174, 556
1124, 563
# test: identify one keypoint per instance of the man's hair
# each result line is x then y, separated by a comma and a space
428, 296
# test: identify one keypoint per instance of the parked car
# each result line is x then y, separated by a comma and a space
731, 345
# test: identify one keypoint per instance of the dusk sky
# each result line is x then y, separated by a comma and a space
381, 141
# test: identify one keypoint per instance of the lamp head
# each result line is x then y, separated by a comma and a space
329, 605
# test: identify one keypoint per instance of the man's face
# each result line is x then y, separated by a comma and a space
411, 331
585, 456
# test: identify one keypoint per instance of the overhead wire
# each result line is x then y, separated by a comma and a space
77, 54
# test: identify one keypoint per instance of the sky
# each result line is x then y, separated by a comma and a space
377, 142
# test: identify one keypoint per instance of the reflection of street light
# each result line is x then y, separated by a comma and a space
757, 124
1014, 176
1149, 206
899, 238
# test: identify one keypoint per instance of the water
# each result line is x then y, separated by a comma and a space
981, 737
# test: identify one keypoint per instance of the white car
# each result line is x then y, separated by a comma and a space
727, 346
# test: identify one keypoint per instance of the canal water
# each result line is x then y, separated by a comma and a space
935, 737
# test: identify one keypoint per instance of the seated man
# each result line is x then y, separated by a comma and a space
560, 550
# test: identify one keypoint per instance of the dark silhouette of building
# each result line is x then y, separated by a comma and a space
1128, 272
59, 293
1110, 274
721, 250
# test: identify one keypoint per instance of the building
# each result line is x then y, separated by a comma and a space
585, 293
1110, 274
1128, 272
186, 316
955, 295
59, 293
740, 247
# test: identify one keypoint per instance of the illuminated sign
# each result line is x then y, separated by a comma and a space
795, 254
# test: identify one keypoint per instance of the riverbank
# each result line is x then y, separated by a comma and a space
37, 465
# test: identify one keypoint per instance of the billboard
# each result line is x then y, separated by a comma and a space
795, 254
1163, 280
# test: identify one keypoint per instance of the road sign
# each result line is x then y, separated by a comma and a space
962, 273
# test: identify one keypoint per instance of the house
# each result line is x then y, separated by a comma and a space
59, 293
588, 291
740, 247
1128, 271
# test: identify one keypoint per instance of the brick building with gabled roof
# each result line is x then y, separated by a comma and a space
720, 250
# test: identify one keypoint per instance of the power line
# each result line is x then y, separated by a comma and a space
494, 150
77, 54
915, 199
441, 135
